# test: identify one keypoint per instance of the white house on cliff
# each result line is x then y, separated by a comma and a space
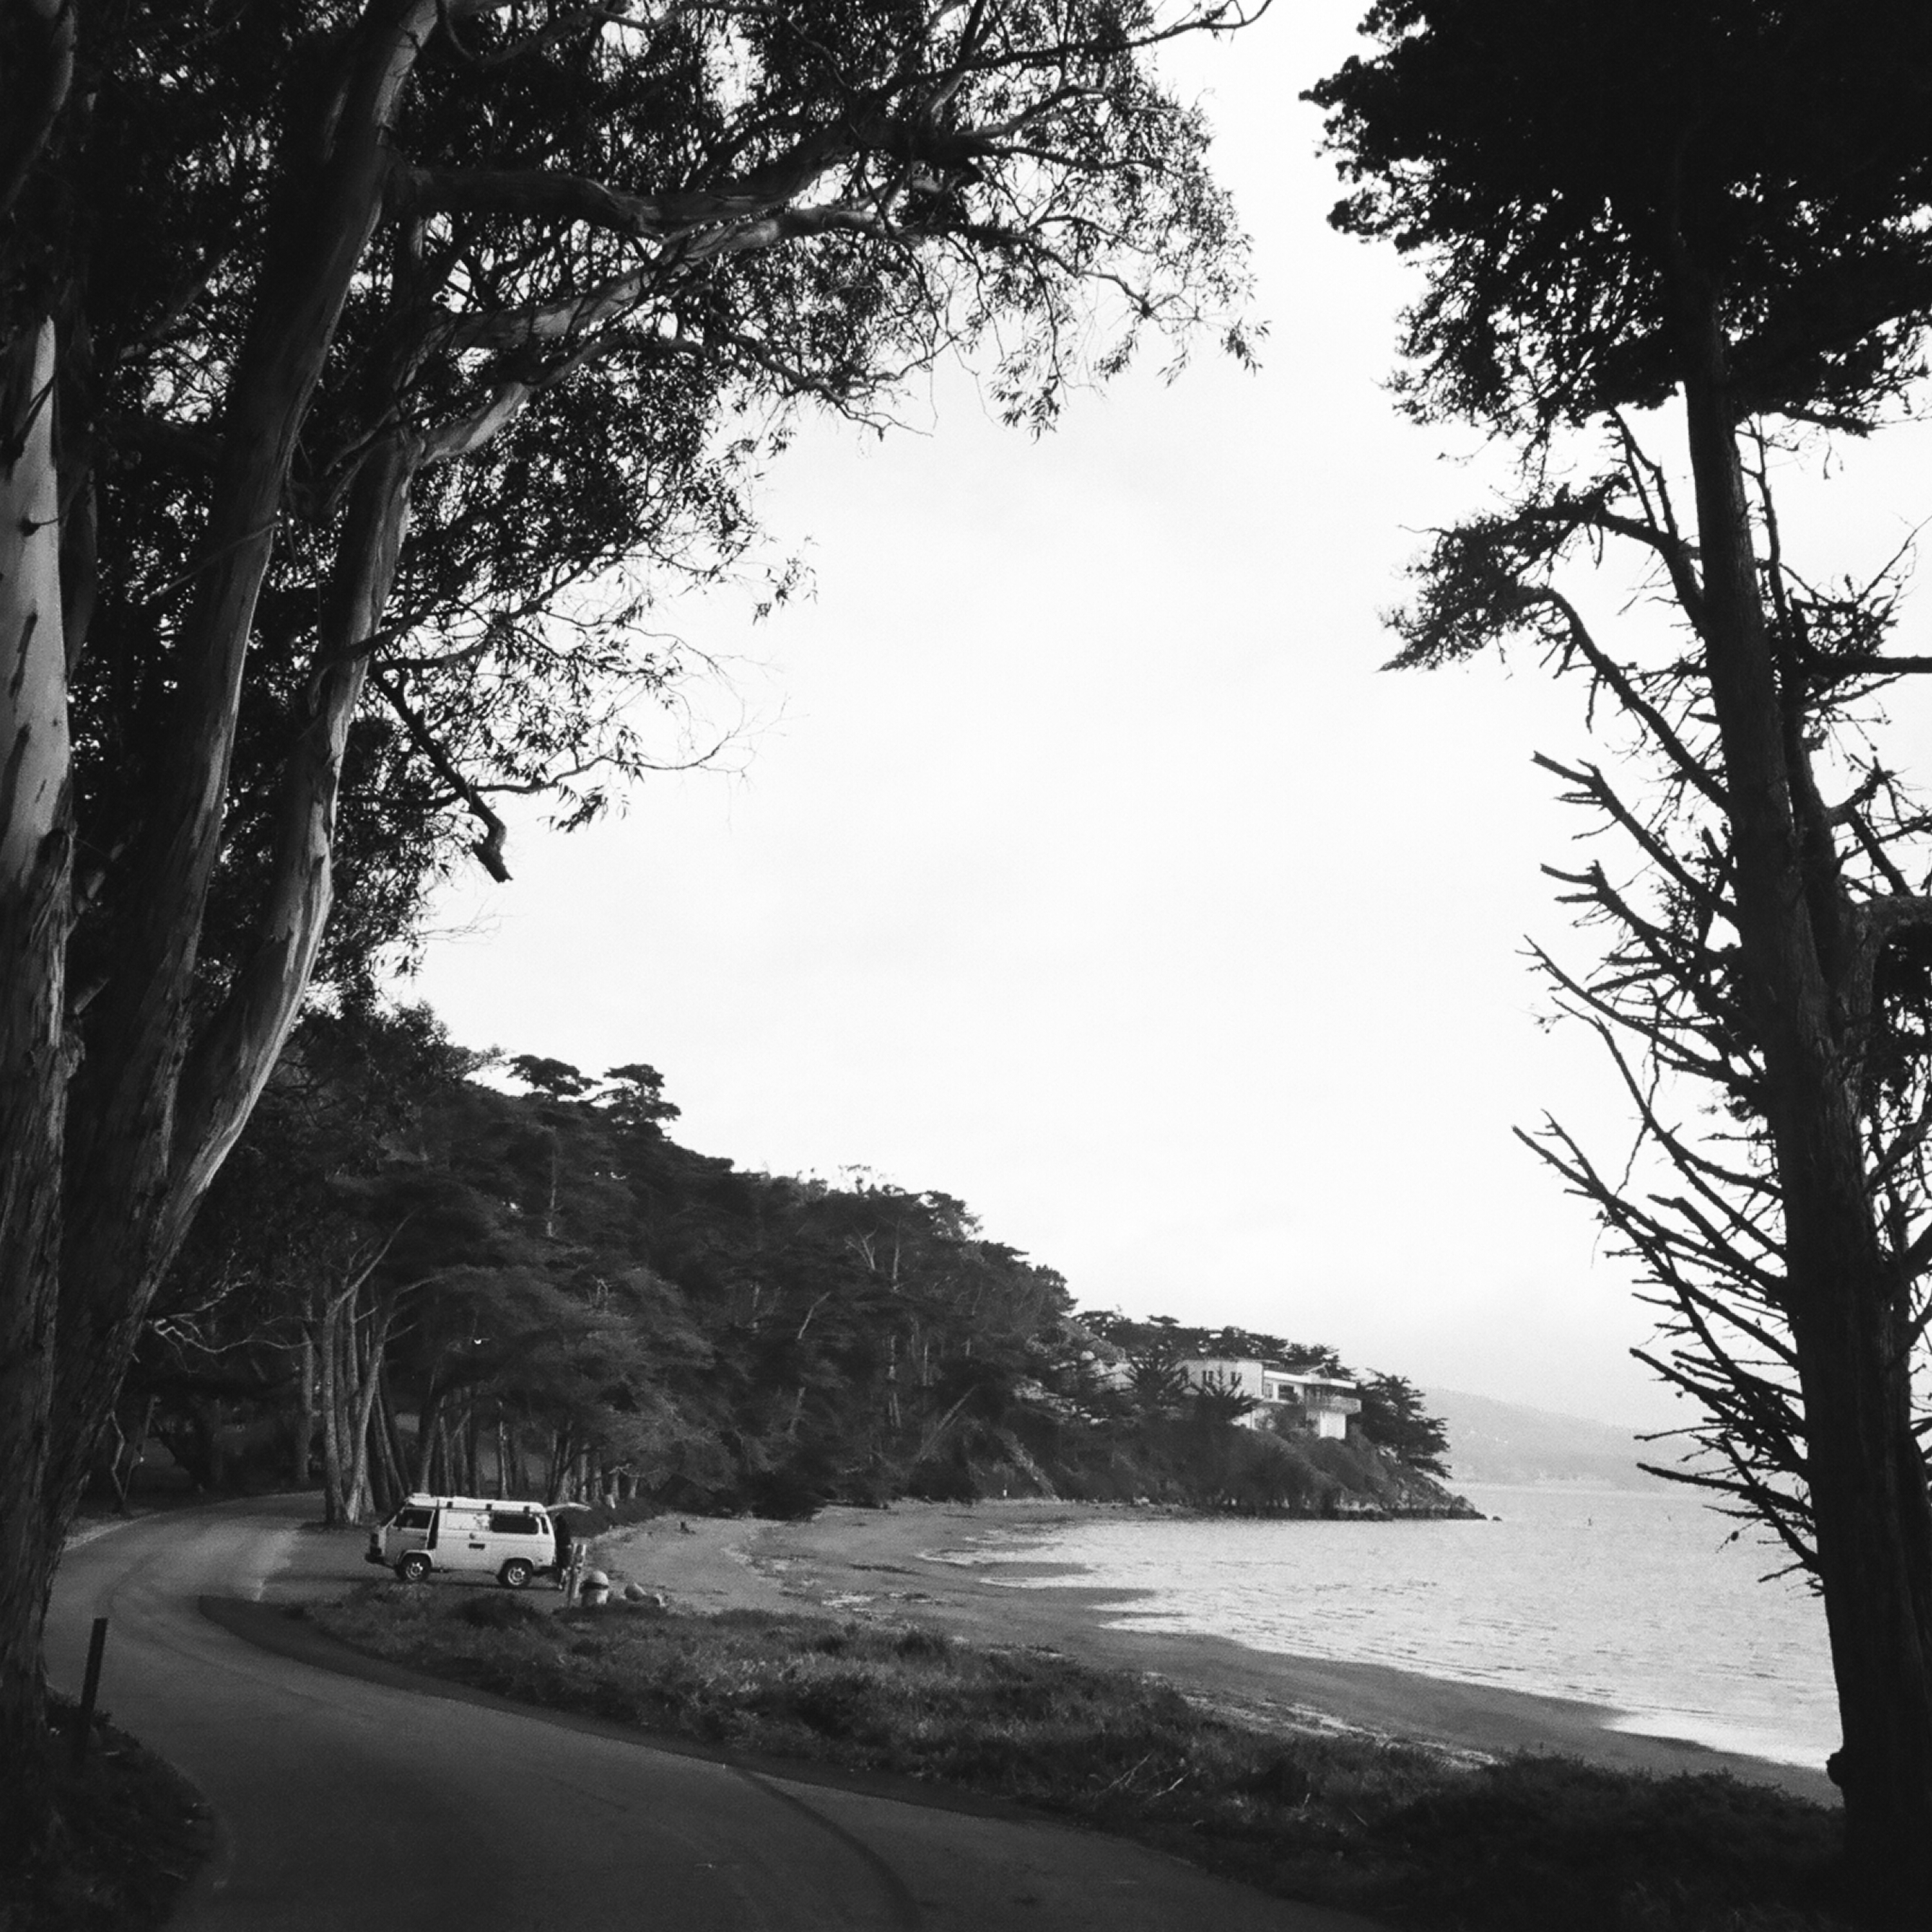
1321, 1405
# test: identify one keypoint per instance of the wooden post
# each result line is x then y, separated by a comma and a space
90, 1687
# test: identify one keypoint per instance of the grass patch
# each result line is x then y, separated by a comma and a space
122, 1837
1388, 1829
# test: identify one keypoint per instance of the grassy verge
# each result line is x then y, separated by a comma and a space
1386, 1829
122, 1835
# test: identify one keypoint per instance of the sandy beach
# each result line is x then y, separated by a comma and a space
914, 1564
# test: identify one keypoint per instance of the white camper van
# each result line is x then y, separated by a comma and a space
510, 1541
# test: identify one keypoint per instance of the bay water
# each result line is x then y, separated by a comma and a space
1641, 1600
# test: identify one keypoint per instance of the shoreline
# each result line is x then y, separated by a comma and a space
898, 1564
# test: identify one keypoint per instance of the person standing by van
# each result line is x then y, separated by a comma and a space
563, 1540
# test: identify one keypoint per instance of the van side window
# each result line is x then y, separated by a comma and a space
513, 1522
412, 1519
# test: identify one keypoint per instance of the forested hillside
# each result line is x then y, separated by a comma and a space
407, 1278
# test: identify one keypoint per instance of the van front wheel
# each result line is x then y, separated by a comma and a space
515, 1573
414, 1568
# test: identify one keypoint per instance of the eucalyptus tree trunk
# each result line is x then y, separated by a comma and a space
104, 1159
159, 1101
1864, 1467
176, 1054
328, 1358
426, 1422
349, 1389
302, 1451
128, 1451
36, 867
561, 1451
369, 1353
387, 1485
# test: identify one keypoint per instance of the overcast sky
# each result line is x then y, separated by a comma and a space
1076, 858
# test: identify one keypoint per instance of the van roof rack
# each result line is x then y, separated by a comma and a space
423, 1499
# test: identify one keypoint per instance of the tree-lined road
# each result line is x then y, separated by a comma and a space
342, 1802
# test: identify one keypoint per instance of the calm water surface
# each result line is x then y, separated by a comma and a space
1625, 1597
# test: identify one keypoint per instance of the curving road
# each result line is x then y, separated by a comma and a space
343, 1802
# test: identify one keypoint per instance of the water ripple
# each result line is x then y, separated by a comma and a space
1631, 1599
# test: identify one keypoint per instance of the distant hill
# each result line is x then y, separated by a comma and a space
1492, 1441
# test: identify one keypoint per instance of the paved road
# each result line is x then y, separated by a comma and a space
346, 1804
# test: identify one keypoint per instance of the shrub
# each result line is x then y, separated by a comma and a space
501, 1610
1388, 1829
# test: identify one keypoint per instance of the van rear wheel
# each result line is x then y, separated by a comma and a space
515, 1573
414, 1568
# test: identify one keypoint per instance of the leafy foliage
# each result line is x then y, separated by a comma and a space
1777, 157
1359, 1823
1393, 1418
1726, 208
1818, 273
1161, 1338
547, 1292
614, 254
376, 368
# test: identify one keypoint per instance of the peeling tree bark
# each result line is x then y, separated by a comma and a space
158, 1106
179, 1044
370, 1363
145, 1121
36, 862
302, 1460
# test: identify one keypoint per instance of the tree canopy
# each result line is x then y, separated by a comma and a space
1712, 225
1577, 181
431, 1282
370, 373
